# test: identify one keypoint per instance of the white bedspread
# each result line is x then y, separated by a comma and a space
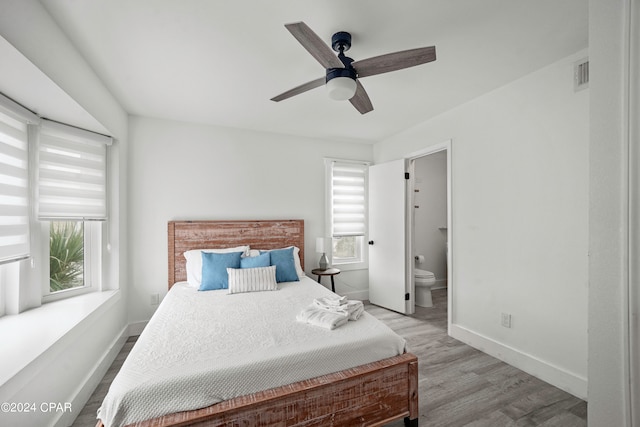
201, 348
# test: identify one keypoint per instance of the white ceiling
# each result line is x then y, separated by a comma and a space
23, 82
219, 62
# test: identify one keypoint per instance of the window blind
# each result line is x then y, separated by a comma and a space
71, 173
348, 193
14, 180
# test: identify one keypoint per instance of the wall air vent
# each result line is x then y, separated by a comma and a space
581, 74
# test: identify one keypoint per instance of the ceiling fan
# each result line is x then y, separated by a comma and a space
343, 73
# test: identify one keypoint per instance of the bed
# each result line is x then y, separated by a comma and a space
357, 374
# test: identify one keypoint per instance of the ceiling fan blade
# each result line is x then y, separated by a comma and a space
394, 61
300, 89
314, 45
361, 100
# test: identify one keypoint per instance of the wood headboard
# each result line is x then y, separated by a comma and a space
260, 234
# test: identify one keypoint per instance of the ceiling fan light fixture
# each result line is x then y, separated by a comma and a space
341, 75
341, 88
341, 83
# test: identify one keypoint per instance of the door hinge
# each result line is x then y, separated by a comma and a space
406, 175
406, 297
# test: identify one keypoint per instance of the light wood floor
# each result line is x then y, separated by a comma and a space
459, 386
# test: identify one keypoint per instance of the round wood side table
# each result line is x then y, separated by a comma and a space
328, 272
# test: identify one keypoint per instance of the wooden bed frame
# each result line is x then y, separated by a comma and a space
368, 395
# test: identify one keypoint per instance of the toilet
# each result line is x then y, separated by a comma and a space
424, 280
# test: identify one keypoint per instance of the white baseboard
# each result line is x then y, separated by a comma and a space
90, 383
95, 376
554, 375
357, 295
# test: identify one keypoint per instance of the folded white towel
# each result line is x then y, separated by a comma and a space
330, 302
355, 309
323, 318
351, 308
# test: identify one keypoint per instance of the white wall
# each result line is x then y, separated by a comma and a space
70, 369
430, 178
494, 125
187, 171
520, 220
609, 402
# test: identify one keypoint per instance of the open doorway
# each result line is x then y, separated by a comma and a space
429, 231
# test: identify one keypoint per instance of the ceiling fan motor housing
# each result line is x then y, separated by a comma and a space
341, 41
332, 73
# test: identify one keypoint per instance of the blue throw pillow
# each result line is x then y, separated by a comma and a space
214, 269
262, 260
285, 265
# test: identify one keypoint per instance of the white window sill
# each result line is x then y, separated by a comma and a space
351, 266
27, 335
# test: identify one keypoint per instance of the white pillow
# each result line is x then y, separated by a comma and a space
194, 262
296, 259
252, 279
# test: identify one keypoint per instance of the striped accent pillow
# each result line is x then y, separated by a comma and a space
252, 279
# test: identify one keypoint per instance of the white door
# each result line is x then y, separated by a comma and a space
388, 282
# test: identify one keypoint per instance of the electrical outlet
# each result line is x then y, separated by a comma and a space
155, 299
506, 320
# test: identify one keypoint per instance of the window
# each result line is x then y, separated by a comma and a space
347, 212
71, 202
71, 173
347, 249
74, 258
14, 183
53, 204
14, 193
66, 255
